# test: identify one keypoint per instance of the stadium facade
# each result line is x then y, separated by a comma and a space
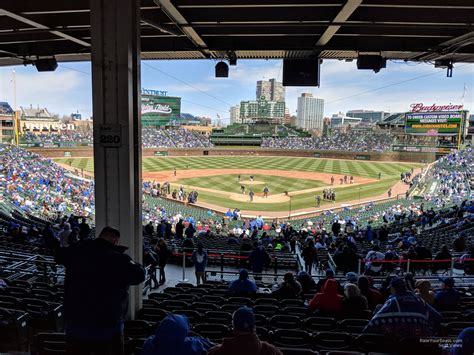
262, 110
7, 123
310, 113
339, 120
368, 115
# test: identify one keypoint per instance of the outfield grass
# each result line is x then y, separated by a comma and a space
230, 183
331, 166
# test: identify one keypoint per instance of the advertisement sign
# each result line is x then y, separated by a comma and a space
438, 123
362, 157
161, 153
421, 149
158, 109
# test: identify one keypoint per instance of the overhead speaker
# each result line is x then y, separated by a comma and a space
46, 64
301, 72
371, 62
222, 70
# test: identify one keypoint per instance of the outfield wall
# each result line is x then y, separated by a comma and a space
414, 157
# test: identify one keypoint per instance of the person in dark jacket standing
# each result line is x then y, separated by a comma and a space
309, 256
98, 275
259, 259
163, 255
199, 259
179, 229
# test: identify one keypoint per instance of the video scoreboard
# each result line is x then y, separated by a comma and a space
441, 123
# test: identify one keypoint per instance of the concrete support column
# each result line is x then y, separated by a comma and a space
115, 28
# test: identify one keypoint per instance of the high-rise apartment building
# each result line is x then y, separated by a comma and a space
235, 114
310, 113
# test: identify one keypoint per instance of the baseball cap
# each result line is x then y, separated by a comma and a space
448, 281
398, 284
243, 319
351, 277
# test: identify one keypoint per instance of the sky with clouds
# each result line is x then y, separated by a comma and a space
343, 87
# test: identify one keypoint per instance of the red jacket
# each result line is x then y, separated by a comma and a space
328, 300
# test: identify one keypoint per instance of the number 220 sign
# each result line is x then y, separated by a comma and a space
110, 136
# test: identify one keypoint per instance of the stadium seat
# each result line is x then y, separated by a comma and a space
333, 341
454, 328
414, 346
212, 331
300, 311
294, 351
373, 343
14, 329
353, 325
218, 317
153, 315
160, 296
281, 321
203, 307
138, 329
49, 344
266, 310
291, 338
319, 324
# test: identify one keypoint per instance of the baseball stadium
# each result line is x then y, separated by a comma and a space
151, 228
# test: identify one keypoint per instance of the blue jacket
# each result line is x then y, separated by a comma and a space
171, 338
258, 259
242, 286
447, 299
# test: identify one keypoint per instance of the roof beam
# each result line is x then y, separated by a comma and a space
43, 27
346, 11
172, 12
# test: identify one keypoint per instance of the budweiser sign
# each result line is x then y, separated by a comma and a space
419, 107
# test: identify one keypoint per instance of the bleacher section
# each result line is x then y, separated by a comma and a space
252, 134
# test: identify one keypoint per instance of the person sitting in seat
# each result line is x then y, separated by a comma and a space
404, 314
243, 286
353, 303
172, 338
448, 298
306, 281
290, 288
423, 289
244, 341
374, 297
328, 301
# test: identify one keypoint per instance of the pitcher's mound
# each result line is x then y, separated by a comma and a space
259, 199
248, 182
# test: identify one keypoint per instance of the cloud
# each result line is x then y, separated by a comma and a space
60, 92
247, 74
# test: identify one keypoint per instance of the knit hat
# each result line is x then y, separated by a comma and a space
243, 319
351, 277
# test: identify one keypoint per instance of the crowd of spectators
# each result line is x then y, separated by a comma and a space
173, 138
38, 186
361, 141
451, 178
151, 138
63, 137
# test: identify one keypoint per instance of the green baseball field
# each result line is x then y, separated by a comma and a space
291, 183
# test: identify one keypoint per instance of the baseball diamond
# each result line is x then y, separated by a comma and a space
293, 183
